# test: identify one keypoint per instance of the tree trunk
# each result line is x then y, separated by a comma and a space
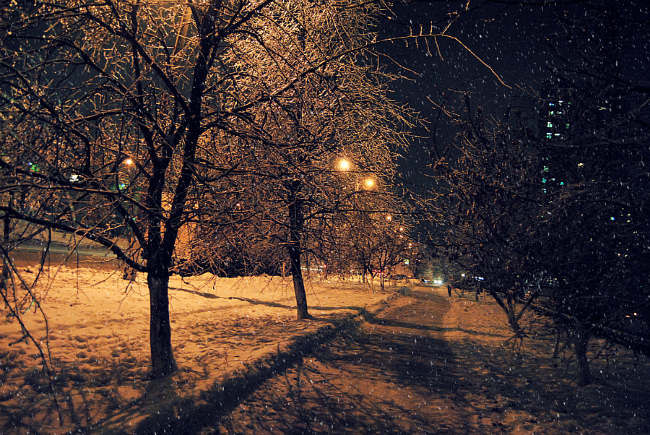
298, 284
580, 344
160, 335
159, 257
6, 271
508, 309
296, 222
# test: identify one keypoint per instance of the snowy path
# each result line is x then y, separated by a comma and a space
432, 364
396, 375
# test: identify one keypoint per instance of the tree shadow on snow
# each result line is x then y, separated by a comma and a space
365, 383
267, 303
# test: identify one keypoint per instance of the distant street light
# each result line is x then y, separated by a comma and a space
344, 165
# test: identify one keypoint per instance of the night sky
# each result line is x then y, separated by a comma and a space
510, 39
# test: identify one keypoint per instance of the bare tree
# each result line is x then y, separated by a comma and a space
120, 120
287, 172
486, 207
597, 184
558, 222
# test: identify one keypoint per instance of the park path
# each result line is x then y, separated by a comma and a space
433, 364
396, 374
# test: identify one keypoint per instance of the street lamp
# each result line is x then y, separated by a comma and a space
344, 165
369, 184
125, 172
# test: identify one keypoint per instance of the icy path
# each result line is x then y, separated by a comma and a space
395, 375
432, 364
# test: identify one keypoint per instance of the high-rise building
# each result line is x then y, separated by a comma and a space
555, 124
554, 113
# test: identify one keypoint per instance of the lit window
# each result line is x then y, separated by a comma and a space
549, 124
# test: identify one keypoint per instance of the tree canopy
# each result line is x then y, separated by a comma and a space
135, 124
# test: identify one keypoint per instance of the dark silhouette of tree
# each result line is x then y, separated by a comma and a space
559, 221
487, 208
597, 205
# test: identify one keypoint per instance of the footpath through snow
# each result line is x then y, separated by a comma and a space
432, 364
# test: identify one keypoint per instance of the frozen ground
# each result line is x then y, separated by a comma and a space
434, 365
235, 332
99, 346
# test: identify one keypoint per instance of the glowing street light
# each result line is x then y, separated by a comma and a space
344, 165
369, 184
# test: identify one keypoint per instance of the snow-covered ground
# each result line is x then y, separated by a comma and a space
98, 340
221, 328
431, 364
